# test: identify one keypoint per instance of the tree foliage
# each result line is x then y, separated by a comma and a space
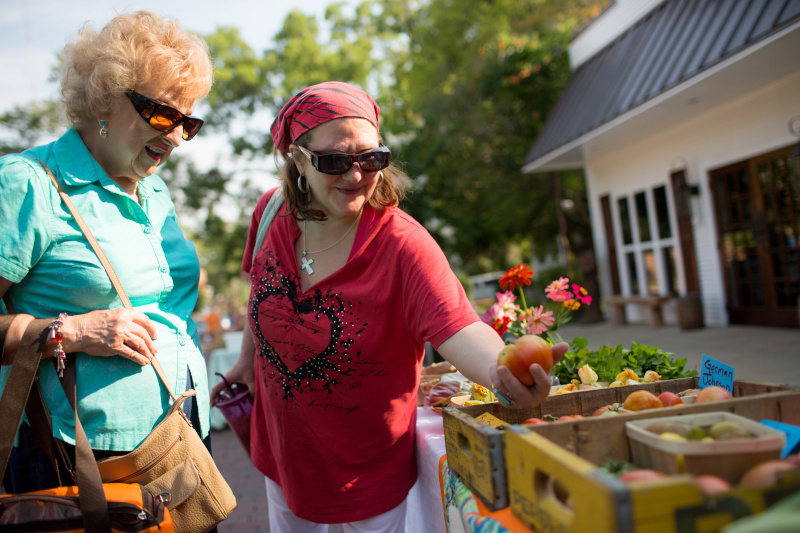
465, 87
27, 125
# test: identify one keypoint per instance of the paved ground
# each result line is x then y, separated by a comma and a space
756, 353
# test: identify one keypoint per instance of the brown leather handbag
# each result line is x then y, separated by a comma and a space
172, 458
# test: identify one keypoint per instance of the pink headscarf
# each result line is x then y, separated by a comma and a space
317, 105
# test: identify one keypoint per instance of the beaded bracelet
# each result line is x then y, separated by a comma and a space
55, 334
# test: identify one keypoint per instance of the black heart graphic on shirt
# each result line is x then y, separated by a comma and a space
325, 367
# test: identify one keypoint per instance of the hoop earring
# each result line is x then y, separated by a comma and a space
103, 130
300, 184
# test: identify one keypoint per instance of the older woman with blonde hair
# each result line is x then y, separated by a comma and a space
129, 91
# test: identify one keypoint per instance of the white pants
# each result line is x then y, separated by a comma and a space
282, 520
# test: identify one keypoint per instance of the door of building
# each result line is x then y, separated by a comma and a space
757, 206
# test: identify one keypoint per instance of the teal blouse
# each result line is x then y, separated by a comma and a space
44, 252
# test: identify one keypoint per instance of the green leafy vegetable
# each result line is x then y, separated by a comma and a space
607, 362
618, 467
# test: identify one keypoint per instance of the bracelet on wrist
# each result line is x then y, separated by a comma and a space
55, 334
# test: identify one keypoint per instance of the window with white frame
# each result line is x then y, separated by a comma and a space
648, 242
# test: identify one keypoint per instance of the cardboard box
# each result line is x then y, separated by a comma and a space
475, 450
728, 459
566, 456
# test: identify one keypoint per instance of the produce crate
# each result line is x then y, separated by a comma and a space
727, 459
555, 484
475, 450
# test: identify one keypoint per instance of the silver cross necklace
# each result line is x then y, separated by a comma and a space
306, 262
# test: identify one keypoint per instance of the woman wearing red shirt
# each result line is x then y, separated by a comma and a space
346, 291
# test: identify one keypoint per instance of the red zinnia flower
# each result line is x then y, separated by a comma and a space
501, 325
581, 294
518, 276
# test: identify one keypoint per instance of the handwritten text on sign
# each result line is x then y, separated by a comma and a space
714, 372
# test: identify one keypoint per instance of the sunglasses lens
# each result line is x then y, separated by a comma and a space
374, 161
341, 163
334, 163
163, 117
191, 127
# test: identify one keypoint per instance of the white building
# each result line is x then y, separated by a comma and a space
685, 116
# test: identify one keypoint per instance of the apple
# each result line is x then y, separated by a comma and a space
669, 399
522, 353
713, 394
640, 400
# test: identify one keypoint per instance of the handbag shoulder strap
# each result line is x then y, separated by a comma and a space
105, 262
87, 232
21, 378
20, 381
271, 210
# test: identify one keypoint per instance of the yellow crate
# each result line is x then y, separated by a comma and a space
475, 450
550, 465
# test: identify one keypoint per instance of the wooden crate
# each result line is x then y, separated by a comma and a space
475, 450
567, 455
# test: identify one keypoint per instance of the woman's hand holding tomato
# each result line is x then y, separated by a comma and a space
524, 352
523, 368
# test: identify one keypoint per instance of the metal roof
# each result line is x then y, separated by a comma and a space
675, 42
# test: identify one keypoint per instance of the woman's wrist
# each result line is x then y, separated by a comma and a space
69, 334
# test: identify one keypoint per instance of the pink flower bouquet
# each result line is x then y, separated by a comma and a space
506, 316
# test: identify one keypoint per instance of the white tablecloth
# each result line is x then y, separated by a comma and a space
424, 513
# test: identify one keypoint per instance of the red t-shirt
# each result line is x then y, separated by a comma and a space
337, 366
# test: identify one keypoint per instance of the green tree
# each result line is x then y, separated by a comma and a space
28, 125
498, 67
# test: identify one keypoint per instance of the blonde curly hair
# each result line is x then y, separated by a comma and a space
131, 50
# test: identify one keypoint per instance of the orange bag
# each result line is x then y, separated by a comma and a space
131, 509
89, 507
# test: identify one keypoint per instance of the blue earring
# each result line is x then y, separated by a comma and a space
103, 130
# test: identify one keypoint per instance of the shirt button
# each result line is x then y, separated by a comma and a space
163, 269
148, 229
167, 307
182, 342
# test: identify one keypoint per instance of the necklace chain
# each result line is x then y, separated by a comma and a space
307, 262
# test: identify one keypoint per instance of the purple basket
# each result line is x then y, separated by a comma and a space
235, 403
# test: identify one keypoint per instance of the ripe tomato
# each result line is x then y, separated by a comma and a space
524, 352
643, 474
713, 394
640, 400
571, 417
534, 421
711, 485
669, 399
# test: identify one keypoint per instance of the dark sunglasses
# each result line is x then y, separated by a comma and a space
337, 164
163, 117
